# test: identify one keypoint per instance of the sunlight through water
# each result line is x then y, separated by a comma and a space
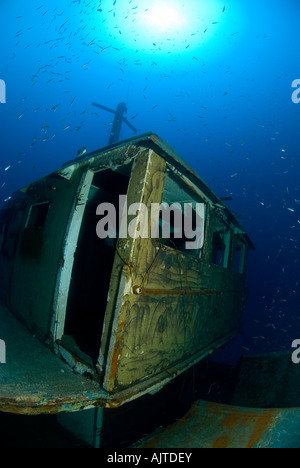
166, 26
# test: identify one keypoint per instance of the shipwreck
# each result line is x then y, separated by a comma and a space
95, 322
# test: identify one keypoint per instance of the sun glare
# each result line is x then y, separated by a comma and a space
165, 26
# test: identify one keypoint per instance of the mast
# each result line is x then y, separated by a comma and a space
119, 119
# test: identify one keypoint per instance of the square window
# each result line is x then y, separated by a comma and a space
2, 235
182, 218
37, 215
239, 262
221, 244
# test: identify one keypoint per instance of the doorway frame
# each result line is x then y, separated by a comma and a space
69, 247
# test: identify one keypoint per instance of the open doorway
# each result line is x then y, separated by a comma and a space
93, 262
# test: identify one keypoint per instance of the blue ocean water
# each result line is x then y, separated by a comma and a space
213, 78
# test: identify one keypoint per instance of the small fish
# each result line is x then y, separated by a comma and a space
21, 115
81, 152
234, 175
105, 48
6, 169
62, 25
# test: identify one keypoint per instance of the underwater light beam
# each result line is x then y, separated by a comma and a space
164, 17
168, 25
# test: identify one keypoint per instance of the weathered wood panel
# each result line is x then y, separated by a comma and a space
186, 306
145, 186
161, 330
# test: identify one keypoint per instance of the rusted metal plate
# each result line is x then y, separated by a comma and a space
213, 425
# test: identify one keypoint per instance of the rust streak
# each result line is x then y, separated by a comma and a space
222, 442
261, 426
114, 362
182, 292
